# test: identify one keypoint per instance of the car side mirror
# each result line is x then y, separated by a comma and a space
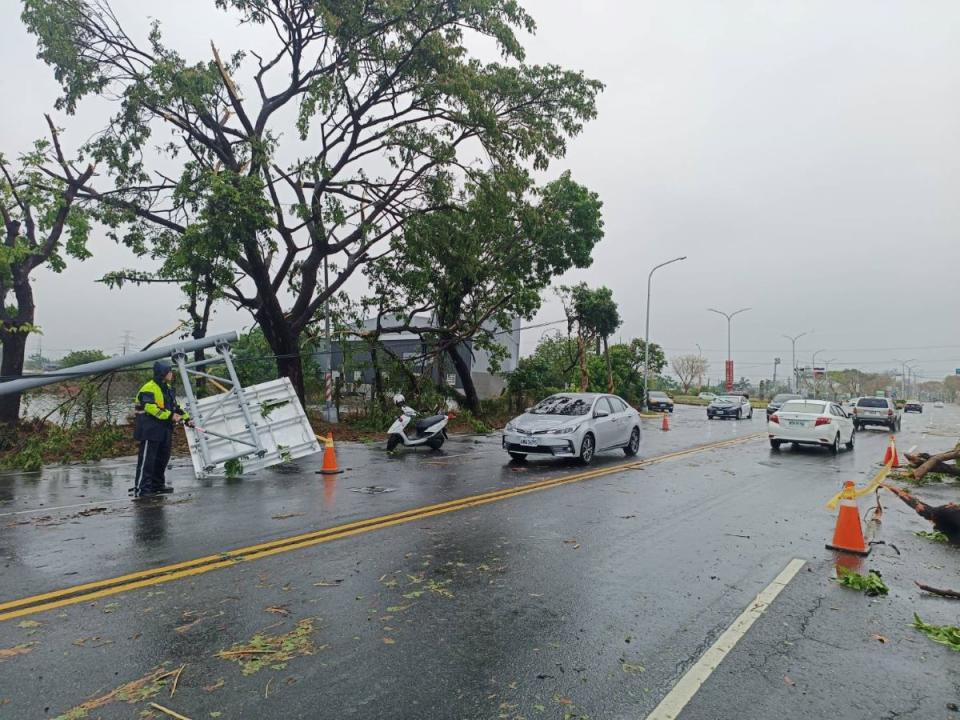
601, 414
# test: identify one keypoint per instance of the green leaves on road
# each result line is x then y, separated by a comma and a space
948, 635
934, 536
272, 650
871, 584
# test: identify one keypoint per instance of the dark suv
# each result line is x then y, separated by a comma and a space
659, 401
913, 406
876, 411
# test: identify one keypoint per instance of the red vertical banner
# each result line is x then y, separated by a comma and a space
729, 365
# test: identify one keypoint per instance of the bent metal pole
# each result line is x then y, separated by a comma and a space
115, 363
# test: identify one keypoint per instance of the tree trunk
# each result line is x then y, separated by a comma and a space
582, 359
376, 391
14, 342
606, 354
14, 350
934, 461
471, 399
284, 342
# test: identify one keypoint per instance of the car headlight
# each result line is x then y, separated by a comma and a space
564, 430
510, 426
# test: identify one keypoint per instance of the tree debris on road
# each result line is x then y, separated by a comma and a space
945, 518
936, 591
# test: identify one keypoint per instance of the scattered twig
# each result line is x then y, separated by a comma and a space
247, 652
952, 594
176, 679
168, 711
884, 542
266, 690
745, 537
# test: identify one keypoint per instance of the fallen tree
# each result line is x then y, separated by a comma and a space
945, 518
923, 463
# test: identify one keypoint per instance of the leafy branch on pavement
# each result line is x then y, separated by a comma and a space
272, 651
948, 635
871, 584
133, 692
933, 536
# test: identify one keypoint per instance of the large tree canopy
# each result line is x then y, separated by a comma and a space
475, 267
42, 226
358, 118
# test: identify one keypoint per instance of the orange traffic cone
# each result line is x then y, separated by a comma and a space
665, 425
848, 535
890, 457
330, 458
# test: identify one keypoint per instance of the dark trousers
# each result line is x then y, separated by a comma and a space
152, 465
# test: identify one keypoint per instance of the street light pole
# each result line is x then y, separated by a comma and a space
646, 342
911, 383
903, 370
729, 317
699, 366
793, 343
813, 362
826, 371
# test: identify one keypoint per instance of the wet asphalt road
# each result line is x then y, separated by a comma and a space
586, 600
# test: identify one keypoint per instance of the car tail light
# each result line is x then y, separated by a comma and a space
775, 418
822, 421
889, 413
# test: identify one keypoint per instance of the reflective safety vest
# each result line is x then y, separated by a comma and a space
155, 406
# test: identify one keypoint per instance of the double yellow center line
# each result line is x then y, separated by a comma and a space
189, 568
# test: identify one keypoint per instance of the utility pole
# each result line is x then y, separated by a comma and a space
813, 361
646, 342
776, 361
699, 366
127, 340
826, 374
903, 372
793, 343
729, 368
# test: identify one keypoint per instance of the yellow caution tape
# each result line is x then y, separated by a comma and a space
860, 492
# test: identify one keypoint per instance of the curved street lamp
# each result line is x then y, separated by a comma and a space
729, 317
793, 343
646, 341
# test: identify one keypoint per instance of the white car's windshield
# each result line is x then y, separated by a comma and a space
562, 405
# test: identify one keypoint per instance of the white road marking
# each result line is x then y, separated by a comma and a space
64, 507
681, 694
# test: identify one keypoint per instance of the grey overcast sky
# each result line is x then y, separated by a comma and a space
804, 154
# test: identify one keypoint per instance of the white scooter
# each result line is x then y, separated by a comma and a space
431, 431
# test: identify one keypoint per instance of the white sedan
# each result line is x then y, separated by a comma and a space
811, 422
577, 425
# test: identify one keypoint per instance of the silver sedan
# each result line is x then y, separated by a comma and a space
576, 425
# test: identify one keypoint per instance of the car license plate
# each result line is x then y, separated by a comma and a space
796, 423
528, 441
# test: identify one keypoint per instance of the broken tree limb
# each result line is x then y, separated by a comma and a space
918, 459
953, 594
945, 518
934, 460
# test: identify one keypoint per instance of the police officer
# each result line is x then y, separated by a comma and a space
156, 412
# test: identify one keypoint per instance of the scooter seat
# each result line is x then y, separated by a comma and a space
425, 423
